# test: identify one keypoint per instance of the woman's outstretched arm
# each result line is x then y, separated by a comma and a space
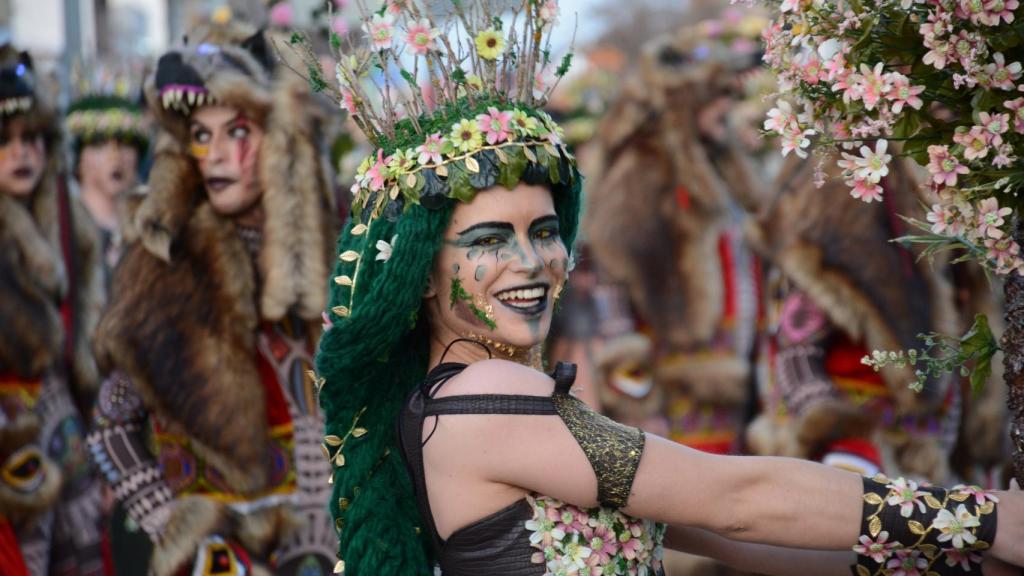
777, 501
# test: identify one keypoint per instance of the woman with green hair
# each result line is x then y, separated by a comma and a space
448, 272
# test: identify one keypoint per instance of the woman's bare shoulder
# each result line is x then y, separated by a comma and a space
498, 377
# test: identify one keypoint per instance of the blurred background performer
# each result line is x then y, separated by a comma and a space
109, 138
215, 311
51, 292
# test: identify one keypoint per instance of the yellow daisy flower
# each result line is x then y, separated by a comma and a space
489, 44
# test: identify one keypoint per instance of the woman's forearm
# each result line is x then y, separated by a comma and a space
777, 501
759, 558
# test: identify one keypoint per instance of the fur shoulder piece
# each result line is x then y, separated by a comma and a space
32, 282
184, 331
875, 291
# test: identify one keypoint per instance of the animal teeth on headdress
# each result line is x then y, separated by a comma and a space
191, 98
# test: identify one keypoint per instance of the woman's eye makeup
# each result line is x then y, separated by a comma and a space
201, 136
238, 132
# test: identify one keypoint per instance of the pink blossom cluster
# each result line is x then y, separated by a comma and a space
856, 95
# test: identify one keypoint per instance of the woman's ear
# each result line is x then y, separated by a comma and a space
431, 291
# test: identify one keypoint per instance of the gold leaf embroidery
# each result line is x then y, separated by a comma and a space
862, 571
529, 154
359, 432
358, 230
349, 256
339, 459
393, 193
343, 280
343, 503
929, 550
333, 440
441, 171
339, 568
872, 498
875, 526
932, 502
472, 165
327, 453
339, 524
916, 528
986, 508
959, 496
340, 311
410, 181
502, 157
551, 150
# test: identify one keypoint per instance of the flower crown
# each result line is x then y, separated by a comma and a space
450, 100
98, 118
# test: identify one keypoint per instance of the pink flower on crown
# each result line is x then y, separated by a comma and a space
378, 172
604, 543
945, 220
943, 166
630, 542
420, 36
549, 12
430, 150
494, 125
381, 30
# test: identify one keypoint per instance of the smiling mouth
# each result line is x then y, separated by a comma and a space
23, 173
218, 184
527, 300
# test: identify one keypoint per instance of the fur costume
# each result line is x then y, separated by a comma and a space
689, 275
51, 293
188, 304
684, 180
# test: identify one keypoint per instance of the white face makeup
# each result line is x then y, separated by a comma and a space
226, 147
500, 269
22, 159
108, 167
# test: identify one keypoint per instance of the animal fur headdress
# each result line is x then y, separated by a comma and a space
228, 69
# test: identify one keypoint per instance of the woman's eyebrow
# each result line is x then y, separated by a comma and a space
550, 218
489, 225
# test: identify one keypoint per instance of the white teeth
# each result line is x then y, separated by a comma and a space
166, 99
199, 99
523, 294
191, 98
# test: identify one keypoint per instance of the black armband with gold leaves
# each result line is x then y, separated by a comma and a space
920, 530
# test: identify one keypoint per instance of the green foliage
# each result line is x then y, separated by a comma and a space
943, 354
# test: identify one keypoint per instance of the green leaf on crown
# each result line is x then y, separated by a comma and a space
459, 186
509, 173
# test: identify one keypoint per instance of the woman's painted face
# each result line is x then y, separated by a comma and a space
22, 159
226, 145
109, 167
501, 267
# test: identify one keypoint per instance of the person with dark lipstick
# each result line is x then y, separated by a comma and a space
450, 448
215, 312
51, 292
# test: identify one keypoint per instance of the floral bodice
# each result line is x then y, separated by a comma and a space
592, 541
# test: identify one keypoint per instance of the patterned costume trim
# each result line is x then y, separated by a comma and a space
919, 529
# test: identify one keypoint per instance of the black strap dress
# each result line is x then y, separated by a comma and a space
539, 535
